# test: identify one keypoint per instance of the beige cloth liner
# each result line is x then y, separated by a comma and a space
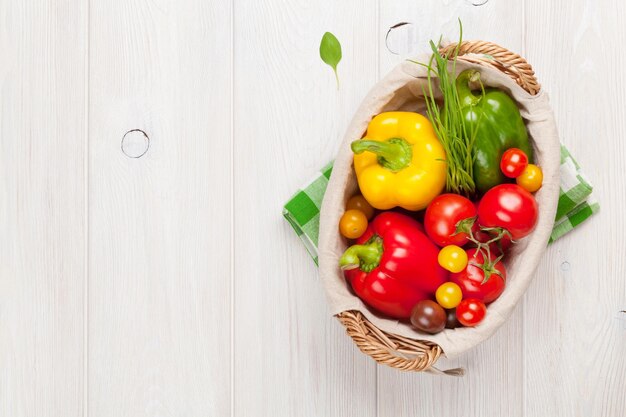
401, 89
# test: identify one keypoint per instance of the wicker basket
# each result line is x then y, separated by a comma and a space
415, 355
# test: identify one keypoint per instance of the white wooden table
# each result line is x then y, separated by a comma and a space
170, 285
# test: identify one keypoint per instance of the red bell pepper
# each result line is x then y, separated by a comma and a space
393, 265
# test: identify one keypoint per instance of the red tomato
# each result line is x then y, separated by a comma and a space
471, 312
471, 278
514, 161
442, 216
511, 207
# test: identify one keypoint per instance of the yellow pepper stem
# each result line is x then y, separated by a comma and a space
394, 154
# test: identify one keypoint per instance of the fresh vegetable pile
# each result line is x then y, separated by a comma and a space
442, 200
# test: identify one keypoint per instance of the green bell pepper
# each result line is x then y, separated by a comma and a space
495, 120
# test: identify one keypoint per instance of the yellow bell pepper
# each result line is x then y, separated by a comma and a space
400, 162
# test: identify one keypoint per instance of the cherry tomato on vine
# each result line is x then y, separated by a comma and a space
513, 162
358, 202
511, 207
470, 312
472, 282
531, 179
452, 258
353, 224
449, 295
442, 216
497, 248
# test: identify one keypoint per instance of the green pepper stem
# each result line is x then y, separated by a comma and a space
466, 96
394, 154
366, 256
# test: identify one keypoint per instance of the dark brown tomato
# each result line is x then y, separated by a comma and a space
428, 316
452, 322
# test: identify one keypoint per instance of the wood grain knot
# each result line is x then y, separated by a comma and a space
135, 143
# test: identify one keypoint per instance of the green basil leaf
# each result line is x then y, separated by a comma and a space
330, 52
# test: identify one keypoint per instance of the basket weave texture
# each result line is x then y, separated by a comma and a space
417, 355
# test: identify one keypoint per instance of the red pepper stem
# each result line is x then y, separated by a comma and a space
394, 154
366, 256
466, 96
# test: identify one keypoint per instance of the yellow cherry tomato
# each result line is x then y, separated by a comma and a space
449, 295
358, 202
531, 179
353, 224
452, 258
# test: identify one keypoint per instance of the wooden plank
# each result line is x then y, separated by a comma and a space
574, 333
291, 357
42, 205
493, 384
160, 278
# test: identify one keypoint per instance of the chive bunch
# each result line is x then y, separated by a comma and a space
448, 121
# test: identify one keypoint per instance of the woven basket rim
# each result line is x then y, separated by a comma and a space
400, 352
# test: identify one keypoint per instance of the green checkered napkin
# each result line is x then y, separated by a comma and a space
302, 211
576, 204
